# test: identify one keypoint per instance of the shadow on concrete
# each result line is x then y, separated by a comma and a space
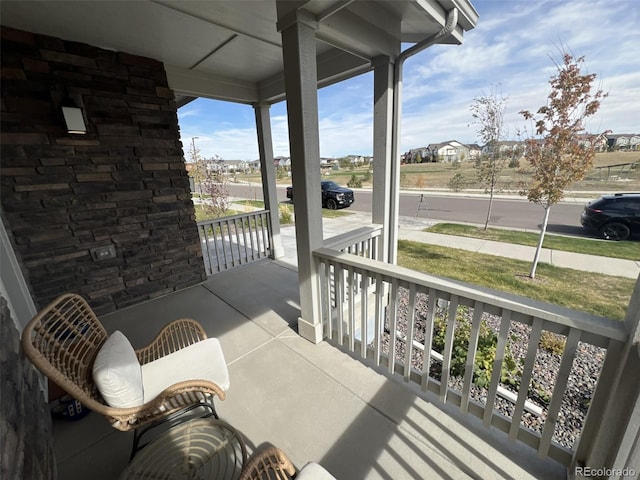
428, 440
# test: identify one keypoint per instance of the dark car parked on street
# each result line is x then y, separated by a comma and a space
614, 217
333, 195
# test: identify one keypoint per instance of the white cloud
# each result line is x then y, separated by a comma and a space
511, 46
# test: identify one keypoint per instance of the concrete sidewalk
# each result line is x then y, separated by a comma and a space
411, 229
588, 263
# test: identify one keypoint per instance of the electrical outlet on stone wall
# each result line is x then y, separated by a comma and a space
103, 253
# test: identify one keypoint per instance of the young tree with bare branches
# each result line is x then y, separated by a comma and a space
488, 115
556, 153
212, 184
198, 169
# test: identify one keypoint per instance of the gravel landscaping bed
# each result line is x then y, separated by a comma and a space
581, 384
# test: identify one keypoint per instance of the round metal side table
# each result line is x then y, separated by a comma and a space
199, 449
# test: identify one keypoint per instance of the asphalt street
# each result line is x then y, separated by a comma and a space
511, 211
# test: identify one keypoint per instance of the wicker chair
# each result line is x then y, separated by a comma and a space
270, 463
63, 340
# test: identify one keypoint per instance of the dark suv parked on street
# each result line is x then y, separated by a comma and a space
333, 195
614, 217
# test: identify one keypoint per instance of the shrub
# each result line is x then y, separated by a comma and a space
286, 216
552, 343
355, 182
485, 352
539, 393
456, 182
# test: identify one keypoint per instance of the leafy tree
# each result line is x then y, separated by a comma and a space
488, 116
556, 156
345, 162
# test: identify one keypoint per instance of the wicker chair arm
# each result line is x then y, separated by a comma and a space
268, 462
204, 387
174, 336
170, 400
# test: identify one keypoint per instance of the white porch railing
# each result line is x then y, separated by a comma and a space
391, 316
232, 241
363, 242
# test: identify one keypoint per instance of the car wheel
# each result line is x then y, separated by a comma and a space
331, 204
615, 231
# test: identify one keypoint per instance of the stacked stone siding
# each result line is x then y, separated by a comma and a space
26, 441
123, 184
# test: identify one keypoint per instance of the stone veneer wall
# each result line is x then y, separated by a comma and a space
26, 439
122, 184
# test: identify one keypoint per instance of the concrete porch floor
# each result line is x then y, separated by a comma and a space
313, 401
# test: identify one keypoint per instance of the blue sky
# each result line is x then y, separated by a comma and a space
511, 46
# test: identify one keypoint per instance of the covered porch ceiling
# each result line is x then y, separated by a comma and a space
232, 50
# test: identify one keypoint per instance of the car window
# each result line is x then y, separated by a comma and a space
632, 204
616, 204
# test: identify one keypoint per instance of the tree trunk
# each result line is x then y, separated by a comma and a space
486, 222
543, 230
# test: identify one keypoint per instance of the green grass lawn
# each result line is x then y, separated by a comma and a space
201, 214
250, 203
629, 250
325, 212
588, 292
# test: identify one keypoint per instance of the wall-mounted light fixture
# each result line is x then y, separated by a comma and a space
74, 119
71, 106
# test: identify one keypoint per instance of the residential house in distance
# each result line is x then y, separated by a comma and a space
416, 155
254, 164
359, 159
505, 146
234, 166
327, 163
508, 148
475, 150
284, 162
598, 141
450, 151
623, 141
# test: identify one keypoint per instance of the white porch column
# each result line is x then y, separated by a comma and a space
298, 29
268, 173
611, 435
382, 150
394, 195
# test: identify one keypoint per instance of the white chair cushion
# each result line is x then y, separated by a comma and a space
203, 360
314, 471
117, 372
